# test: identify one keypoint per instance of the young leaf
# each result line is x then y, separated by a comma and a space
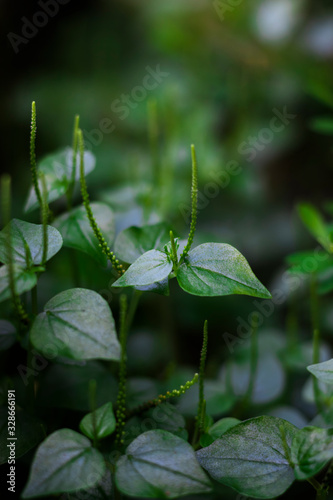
64, 462
314, 222
323, 371
135, 241
77, 232
57, 169
217, 429
151, 267
105, 422
312, 447
27, 243
78, 324
251, 457
25, 280
214, 269
159, 464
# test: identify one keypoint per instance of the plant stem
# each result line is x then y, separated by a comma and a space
194, 196
200, 422
33, 164
86, 202
174, 253
70, 191
121, 399
316, 339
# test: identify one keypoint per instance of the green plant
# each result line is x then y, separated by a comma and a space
114, 453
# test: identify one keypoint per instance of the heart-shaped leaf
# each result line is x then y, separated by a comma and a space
323, 371
57, 169
27, 243
135, 241
78, 324
312, 447
151, 267
64, 462
77, 233
101, 422
250, 457
24, 279
214, 269
159, 464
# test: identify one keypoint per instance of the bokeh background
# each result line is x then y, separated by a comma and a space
231, 67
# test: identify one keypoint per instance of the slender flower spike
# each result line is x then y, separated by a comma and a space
194, 196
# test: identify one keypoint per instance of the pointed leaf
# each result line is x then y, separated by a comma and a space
78, 324
64, 462
77, 233
250, 457
311, 449
104, 420
135, 241
27, 243
314, 222
25, 280
323, 371
159, 464
151, 267
214, 269
57, 169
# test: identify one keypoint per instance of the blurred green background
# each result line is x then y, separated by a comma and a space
228, 68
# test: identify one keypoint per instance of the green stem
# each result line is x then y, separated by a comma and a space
86, 202
163, 397
174, 253
316, 340
200, 422
121, 399
33, 164
253, 359
70, 190
194, 196
92, 400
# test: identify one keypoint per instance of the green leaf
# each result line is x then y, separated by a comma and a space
7, 335
160, 465
100, 491
77, 324
25, 280
151, 267
77, 233
314, 222
67, 386
251, 458
322, 124
28, 433
57, 169
135, 241
27, 243
217, 429
104, 420
311, 449
214, 269
64, 462
323, 371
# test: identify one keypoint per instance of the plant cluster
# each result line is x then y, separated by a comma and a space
110, 452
